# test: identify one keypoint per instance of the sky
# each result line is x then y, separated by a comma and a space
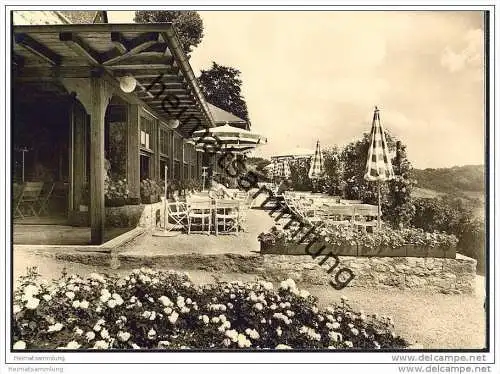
317, 75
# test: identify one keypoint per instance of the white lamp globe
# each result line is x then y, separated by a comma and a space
173, 123
127, 83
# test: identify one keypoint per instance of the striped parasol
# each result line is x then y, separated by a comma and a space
378, 163
317, 170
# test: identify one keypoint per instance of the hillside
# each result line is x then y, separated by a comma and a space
464, 182
457, 180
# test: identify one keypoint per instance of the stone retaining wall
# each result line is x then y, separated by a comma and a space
443, 275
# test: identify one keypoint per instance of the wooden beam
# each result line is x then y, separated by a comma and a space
37, 49
28, 73
158, 47
119, 41
161, 88
178, 92
159, 68
166, 78
127, 48
73, 41
97, 216
133, 171
144, 90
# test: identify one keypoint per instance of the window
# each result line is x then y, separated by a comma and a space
145, 166
164, 141
178, 148
177, 170
146, 136
164, 161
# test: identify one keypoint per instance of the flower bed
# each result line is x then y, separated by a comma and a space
165, 310
344, 241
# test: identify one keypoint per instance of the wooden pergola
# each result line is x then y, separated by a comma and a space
89, 60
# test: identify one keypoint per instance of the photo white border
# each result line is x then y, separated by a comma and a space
359, 358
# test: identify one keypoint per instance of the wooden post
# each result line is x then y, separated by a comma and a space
133, 170
156, 155
71, 149
80, 124
99, 103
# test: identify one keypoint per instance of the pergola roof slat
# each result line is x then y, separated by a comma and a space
149, 52
37, 48
81, 47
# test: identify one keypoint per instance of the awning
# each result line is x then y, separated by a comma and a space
228, 138
151, 53
294, 154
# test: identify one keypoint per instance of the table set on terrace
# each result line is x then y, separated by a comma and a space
315, 209
199, 213
331, 210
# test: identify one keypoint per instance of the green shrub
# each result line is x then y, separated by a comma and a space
452, 216
472, 242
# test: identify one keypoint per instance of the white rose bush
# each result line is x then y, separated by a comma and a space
150, 309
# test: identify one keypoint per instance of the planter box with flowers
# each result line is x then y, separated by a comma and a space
151, 191
120, 209
116, 193
147, 309
343, 241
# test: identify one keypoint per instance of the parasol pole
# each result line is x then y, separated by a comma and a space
203, 175
379, 206
23, 151
165, 232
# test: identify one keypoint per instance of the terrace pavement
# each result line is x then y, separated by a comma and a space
245, 243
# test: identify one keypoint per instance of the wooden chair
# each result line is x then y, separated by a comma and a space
29, 198
177, 212
44, 199
227, 214
200, 215
17, 191
365, 216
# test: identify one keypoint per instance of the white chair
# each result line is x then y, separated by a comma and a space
338, 215
227, 215
365, 216
199, 215
177, 212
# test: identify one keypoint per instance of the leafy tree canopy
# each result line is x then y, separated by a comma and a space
187, 23
221, 86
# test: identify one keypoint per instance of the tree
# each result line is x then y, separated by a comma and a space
299, 170
354, 157
187, 23
333, 181
221, 86
258, 163
400, 209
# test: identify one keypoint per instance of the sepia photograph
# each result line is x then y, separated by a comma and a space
223, 180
